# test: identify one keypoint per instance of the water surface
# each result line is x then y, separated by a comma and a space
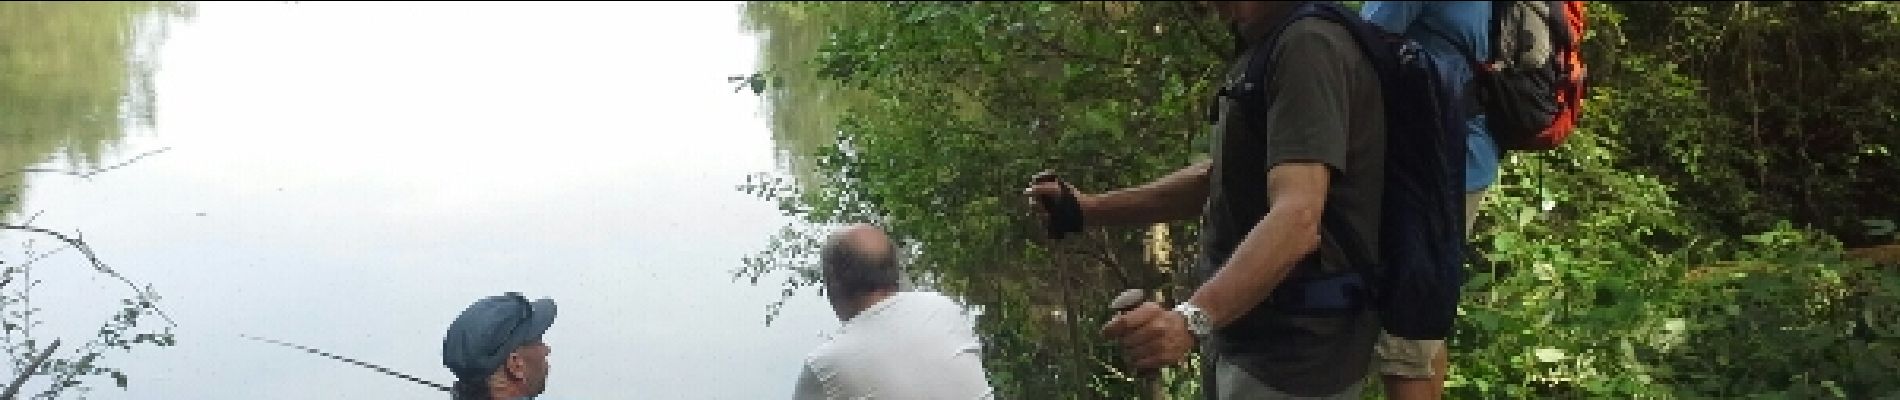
349, 176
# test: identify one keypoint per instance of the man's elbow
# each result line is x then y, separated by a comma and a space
1303, 225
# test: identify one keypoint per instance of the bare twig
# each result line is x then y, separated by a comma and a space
36, 216
407, 377
80, 244
42, 256
13, 389
1076, 353
94, 171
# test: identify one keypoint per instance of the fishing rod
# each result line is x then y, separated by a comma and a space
387, 371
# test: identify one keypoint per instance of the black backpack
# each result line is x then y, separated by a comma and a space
1414, 278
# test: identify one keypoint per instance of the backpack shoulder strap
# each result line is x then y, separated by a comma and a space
1259, 56
1370, 39
1560, 22
1464, 49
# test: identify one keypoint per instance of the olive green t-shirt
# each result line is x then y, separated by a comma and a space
1322, 105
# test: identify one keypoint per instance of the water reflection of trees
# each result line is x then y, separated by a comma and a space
803, 109
74, 78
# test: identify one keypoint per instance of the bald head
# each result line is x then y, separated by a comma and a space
865, 239
859, 261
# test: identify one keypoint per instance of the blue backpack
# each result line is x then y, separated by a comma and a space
1413, 279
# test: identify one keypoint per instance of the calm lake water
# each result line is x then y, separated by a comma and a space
349, 176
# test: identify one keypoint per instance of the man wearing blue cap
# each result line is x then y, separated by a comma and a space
495, 349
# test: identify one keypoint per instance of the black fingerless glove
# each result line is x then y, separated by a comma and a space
1065, 213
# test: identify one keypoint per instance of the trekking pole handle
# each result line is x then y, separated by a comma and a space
1148, 378
1063, 210
1128, 300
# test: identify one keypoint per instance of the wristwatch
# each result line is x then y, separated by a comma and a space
1197, 322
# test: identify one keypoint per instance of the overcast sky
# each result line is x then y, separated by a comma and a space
349, 176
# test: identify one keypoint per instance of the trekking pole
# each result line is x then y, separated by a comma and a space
1063, 220
375, 367
1065, 216
1149, 380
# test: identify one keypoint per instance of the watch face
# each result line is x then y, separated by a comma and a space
1196, 320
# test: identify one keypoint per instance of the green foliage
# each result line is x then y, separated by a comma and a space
74, 76
1685, 243
78, 361
1797, 113
992, 93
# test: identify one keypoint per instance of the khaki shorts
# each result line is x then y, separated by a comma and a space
1413, 358
1406, 357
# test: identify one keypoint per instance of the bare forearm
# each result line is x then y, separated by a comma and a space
1262, 260
1180, 195
1288, 232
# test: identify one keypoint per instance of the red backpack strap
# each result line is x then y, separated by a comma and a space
1571, 89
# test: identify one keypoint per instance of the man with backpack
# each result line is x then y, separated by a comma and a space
1415, 369
1295, 204
1513, 72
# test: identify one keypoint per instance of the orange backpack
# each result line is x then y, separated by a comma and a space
1533, 86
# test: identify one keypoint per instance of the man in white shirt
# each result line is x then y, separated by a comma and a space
893, 345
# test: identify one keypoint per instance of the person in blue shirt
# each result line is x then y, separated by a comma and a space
1415, 369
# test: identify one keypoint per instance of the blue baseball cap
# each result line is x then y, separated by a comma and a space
488, 331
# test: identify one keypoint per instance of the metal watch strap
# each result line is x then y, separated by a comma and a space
1197, 322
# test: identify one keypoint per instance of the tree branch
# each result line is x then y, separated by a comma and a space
13, 389
94, 171
93, 258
